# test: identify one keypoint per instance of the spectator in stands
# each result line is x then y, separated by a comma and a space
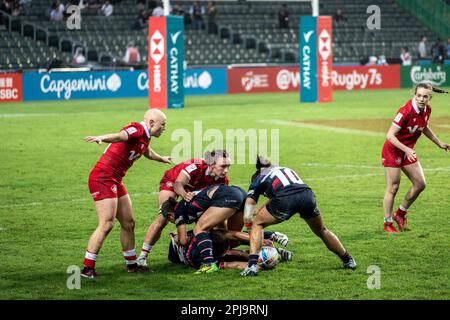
448, 48
158, 11
79, 57
339, 16
406, 57
141, 21
56, 14
178, 10
132, 55
438, 52
107, 9
197, 11
372, 61
212, 17
382, 61
422, 49
283, 17
141, 5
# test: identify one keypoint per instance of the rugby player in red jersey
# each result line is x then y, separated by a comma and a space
106, 187
398, 153
182, 180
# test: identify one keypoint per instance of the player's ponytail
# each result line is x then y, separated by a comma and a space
427, 85
439, 90
261, 162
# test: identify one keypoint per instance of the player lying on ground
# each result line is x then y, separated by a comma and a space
214, 206
398, 153
106, 187
288, 195
226, 257
182, 180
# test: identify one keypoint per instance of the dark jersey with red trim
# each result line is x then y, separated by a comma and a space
120, 156
187, 255
276, 181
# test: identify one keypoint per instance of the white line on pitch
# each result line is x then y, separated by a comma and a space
30, 204
323, 127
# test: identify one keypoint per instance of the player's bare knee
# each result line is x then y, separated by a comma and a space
393, 188
420, 186
128, 224
106, 227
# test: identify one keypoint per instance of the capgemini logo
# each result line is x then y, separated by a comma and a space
157, 46
114, 83
204, 80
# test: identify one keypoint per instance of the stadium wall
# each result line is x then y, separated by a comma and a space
31, 86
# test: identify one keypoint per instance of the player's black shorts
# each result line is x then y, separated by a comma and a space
228, 197
303, 202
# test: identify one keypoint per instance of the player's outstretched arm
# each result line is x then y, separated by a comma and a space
430, 135
152, 155
108, 138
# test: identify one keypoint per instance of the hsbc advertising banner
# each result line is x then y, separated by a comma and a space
10, 87
165, 62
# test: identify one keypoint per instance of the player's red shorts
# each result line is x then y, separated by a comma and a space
104, 187
394, 157
166, 183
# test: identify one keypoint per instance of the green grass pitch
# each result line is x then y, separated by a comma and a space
47, 214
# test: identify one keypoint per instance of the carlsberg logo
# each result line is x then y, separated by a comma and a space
66, 87
421, 74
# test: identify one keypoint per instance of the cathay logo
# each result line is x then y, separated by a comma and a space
174, 37
308, 35
157, 46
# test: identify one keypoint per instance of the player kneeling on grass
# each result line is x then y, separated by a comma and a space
182, 180
287, 195
108, 191
398, 153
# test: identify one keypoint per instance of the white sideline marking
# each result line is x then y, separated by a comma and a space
30, 204
316, 164
351, 176
323, 127
21, 115
313, 164
443, 125
2, 229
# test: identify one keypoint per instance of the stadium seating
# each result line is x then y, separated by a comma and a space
248, 32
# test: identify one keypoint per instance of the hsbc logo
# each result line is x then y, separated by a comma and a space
325, 52
324, 44
157, 46
156, 54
